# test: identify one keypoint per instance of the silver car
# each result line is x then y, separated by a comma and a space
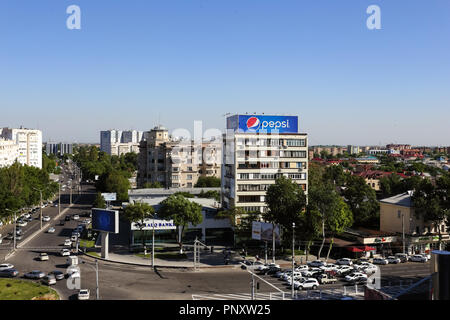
35, 274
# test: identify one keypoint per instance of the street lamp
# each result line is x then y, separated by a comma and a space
40, 192
293, 259
15, 224
96, 276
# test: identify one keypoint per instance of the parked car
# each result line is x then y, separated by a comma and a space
35, 274
393, 260
418, 258
43, 256
329, 267
83, 294
21, 223
67, 242
29, 219
402, 256
76, 217
369, 269
344, 261
67, 218
61, 222
308, 284
380, 261
59, 275
356, 277
51, 230
343, 270
316, 263
6, 266
302, 267
19, 232
426, 255
325, 278
49, 279
9, 273
46, 218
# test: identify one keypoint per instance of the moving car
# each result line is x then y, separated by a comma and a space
35, 274
418, 258
64, 252
51, 230
380, 261
43, 256
67, 242
83, 294
344, 261
49, 279
9, 273
5, 266
21, 223
393, 259
46, 218
59, 275
76, 217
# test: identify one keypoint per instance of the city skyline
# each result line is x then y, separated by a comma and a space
137, 65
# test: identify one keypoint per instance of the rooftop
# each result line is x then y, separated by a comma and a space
403, 199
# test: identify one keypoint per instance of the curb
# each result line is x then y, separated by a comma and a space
159, 266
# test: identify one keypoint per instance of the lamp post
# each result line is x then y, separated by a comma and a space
15, 225
96, 276
40, 192
403, 231
293, 258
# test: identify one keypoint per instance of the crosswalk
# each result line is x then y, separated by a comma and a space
244, 296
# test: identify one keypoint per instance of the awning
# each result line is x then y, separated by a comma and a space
367, 248
354, 249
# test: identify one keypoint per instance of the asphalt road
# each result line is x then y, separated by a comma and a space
122, 282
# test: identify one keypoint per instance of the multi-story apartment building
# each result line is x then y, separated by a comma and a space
353, 149
29, 144
58, 148
176, 164
117, 142
257, 150
9, 152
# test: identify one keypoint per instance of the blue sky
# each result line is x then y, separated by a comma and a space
139, 62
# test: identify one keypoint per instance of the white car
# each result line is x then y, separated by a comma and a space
380, 261
329, 267
21, 223
418, 258
43, 256
46, 218
343, 269
65, 252
426, 255
6, 266
356, 277
394, 260
310, 283
301, 268
83, 294
316, 263
344, 262
51, 230
369, 269
67, 242
76, 217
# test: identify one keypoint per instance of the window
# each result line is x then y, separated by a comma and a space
296, 142
399, 214
189, 177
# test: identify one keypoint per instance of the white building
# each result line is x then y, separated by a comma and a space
257, 150
117, 142
9, 152
29, 144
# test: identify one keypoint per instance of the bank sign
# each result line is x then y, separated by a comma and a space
156, 224
263, 124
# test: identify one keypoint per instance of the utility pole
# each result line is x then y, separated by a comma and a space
96, 276
153, 244
265, 260
403, 231
253, 287
15, 225
59, 197
273, 243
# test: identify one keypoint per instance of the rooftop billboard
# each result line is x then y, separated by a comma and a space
263, 124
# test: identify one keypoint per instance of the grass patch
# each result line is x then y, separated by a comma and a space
171, 256
93, 253
12, 289
87, 243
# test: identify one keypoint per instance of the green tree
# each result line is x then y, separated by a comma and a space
114, 181
362, 201
99, 201
183, 212
137, 213
335, 174
285, 201
241, 222
152, 185
338, 219
207, 182
310, 226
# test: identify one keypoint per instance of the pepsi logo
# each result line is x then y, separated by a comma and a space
253, 123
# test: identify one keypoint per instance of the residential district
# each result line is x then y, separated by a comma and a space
256, 213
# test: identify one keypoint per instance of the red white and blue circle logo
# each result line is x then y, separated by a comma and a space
253, 123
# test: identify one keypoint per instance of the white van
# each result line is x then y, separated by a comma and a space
72, 260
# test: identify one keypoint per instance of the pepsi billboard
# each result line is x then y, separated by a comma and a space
105, 220
263, 124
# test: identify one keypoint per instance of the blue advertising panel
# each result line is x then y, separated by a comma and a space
105, 220
263, 124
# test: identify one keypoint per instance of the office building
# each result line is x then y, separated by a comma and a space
58, 149
29, 144
176, 163
257, 150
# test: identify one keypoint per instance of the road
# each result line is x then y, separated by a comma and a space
122, 282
